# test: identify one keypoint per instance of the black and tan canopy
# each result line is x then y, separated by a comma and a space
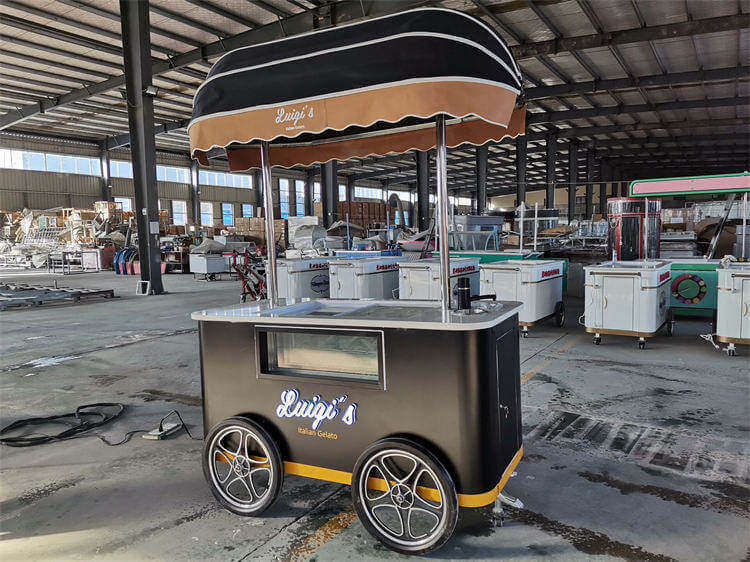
371, 87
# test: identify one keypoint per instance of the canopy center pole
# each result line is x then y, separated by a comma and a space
265, 179
442, 213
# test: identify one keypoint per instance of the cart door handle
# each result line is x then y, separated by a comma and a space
505, 410
339, 284
604, 302
744, 309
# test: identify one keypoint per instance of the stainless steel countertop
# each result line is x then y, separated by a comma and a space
413, 315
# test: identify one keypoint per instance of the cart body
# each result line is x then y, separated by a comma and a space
627, 298
364, 278
733, 313
368, 364
535, 283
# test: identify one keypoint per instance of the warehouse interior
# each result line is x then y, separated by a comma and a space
118, 245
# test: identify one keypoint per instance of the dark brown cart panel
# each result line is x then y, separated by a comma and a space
457, 392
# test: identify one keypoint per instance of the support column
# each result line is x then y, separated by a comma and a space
136, 43
292, 197
309, 191
589, 183
258, 186
350, 188
572, 178
521, 146
106, 189
624, 188
549, 200
329, 192
195, 201
423, 189
605, 176
481, 175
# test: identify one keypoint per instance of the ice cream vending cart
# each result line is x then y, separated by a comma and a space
538, 284
364, 278
733, 310
303, 278
420, 279
627, 298
335, 389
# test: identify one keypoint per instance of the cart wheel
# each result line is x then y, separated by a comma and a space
560, 314
597, 340
641, 345
411, 506
242, 465
731, 352
525, 333
670, 328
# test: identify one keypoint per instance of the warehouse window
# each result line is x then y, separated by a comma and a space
227, 214
247, 210
173, 173
44, 162
368, 193
223, 179
207, 214
284, 197
179, 212
126, 203
299, 191
342, 192
120, 169
316, 192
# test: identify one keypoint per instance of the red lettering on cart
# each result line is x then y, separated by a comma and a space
318, 265
316, 408
457, 270
388, 266
550, 272
664, 276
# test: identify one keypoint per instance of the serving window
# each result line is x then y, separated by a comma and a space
316, 353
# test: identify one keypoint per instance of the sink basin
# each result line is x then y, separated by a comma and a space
320, 309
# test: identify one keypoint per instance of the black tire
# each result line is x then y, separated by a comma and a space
560, 314
597, 341
641, 345
234, 485
402, 498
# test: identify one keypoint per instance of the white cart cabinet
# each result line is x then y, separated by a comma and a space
364, 278
305, 278
535, 283
420, 280
207, 264
733, 306
629, 298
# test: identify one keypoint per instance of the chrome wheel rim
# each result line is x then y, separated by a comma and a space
240, 467
405, 500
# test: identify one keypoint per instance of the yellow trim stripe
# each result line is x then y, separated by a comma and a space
464, 500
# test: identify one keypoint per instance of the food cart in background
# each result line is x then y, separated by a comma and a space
694, 282
333, 389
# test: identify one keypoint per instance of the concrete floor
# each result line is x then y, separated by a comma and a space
629, 454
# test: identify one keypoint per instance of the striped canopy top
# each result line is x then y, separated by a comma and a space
371, 87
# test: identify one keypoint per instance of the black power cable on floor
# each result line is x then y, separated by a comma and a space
83, 420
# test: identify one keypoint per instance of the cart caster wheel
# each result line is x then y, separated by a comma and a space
670, 328
597, 340
413, 506
524, 333
731, 352
242, 464
641, 345
560, 314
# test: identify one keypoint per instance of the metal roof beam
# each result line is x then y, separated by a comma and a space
653, 33
346, 10
555, 116
734, 73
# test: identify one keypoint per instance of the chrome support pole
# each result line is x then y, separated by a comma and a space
744, 225
442, 213
520, 230
265, 178
645, 232
536, 222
